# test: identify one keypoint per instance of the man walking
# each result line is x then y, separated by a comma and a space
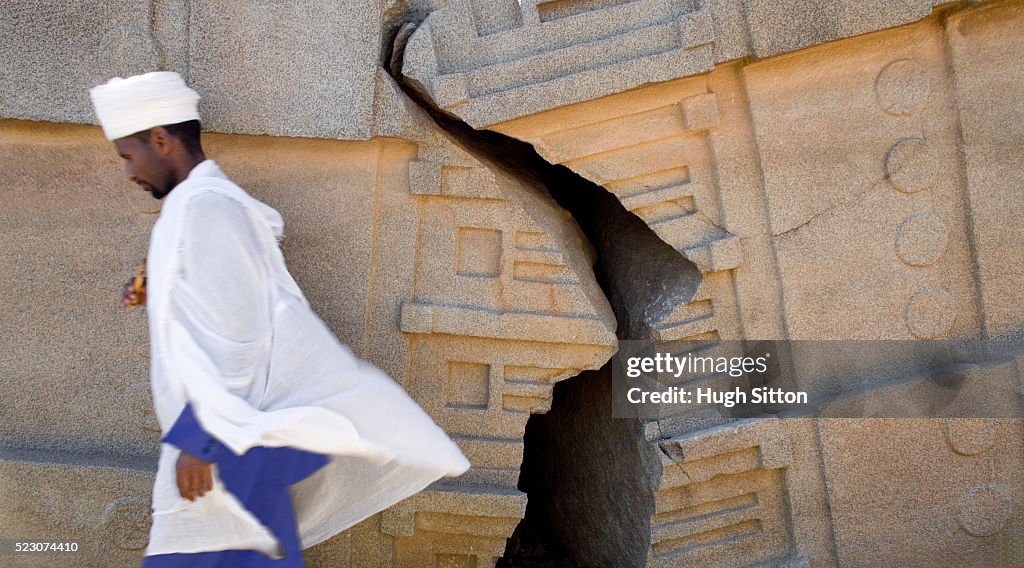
276, 437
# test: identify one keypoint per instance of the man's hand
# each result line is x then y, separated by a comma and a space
130, 297
195, 477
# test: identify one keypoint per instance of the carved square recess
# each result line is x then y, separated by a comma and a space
478, 252
467, 385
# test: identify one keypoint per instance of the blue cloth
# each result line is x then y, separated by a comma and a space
259, 479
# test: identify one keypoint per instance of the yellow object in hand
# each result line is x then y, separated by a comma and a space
139, 284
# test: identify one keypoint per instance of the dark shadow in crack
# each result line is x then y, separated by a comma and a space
643, 277
583, 470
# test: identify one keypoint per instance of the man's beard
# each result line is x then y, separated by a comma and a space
157, 193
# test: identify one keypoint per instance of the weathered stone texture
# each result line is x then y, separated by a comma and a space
853, 140
657, 150
986, 45
261, 68
951, 498
550, 54
288, 69
75, 231
780, 27
52, 52
834, 193
854, 206
103, 504
556, 53
722, 501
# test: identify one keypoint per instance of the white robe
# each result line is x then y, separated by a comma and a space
232, 334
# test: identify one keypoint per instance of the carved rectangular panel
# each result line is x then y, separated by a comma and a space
722, 499
478, 252
467, 385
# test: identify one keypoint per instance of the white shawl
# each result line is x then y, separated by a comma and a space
232, 334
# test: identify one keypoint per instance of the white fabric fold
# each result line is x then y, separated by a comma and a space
232, 334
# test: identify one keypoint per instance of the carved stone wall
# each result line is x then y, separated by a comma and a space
538, 55
261, 67
831, 193
835, 170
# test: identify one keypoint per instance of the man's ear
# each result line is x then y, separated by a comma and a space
161, 140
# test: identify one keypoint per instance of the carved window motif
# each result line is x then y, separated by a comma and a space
467, 385
478, 252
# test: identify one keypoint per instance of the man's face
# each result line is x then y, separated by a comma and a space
144, 166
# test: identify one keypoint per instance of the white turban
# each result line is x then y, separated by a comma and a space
127, 106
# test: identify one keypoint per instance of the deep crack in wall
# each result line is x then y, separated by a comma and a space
590, 478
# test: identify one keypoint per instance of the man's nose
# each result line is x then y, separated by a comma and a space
129, 172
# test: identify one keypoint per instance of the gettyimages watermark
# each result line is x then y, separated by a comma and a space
827, 379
